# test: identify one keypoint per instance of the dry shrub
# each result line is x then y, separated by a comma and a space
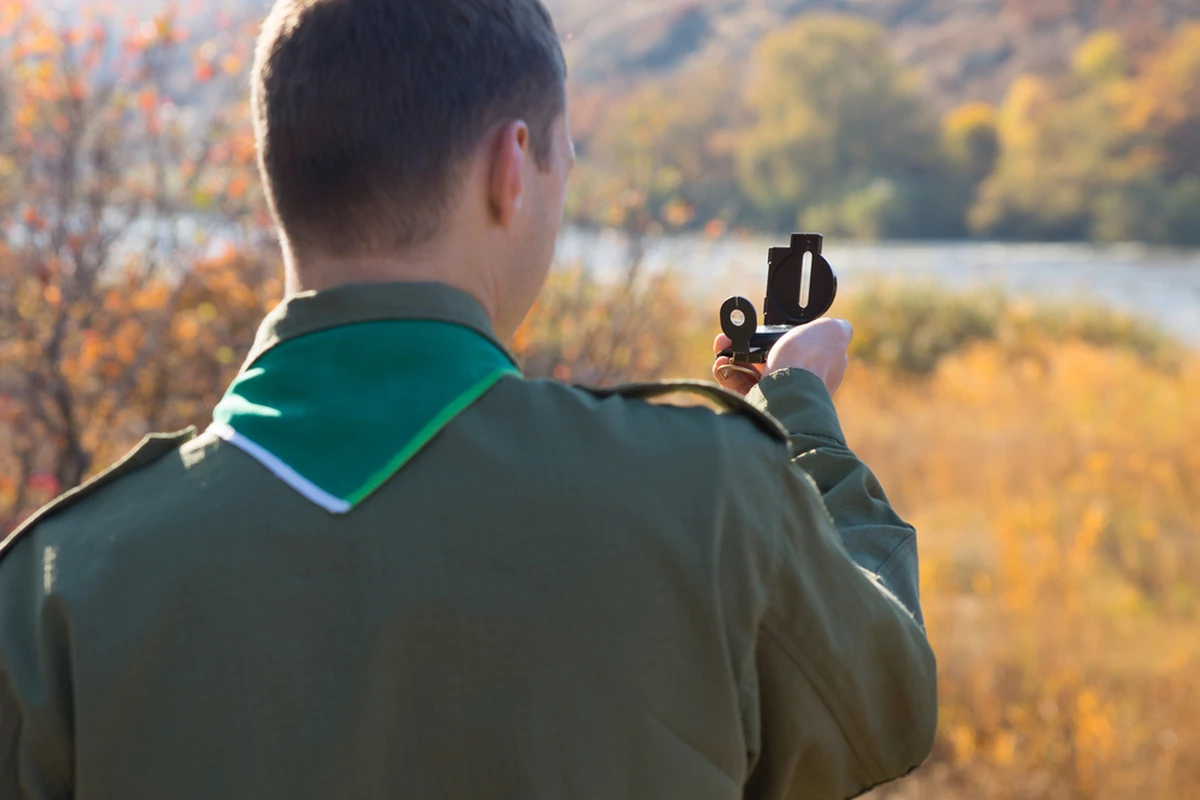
595, 332
1057, 496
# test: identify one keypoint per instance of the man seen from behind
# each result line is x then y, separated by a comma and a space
391, 566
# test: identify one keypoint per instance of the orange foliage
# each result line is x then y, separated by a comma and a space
98, 339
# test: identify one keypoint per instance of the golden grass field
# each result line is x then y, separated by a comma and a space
1055, 484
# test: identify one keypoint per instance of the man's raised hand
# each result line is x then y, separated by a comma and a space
820, 347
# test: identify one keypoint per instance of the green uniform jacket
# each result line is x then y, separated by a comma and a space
565, 594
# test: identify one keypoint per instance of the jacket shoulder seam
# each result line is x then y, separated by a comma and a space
725, 400
152, 447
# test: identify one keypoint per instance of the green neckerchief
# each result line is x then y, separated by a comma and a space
337, 412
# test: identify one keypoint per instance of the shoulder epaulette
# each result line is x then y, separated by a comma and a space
722, 398
150, 449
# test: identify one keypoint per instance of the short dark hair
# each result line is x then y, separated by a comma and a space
365, 111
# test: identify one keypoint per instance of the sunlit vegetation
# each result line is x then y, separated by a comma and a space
136, 261
823, 129
1056, 486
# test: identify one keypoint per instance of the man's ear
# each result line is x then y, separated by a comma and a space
507, 178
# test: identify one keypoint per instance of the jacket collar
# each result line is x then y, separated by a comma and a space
309, 312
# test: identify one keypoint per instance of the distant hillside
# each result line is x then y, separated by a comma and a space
965, 49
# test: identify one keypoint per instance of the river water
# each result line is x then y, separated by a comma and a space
1158, 284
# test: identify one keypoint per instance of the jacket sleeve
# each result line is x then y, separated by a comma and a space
874, 536
10, 727
847, 682
36, 761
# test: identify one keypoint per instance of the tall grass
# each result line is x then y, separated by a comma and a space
1051, 462
1057, 497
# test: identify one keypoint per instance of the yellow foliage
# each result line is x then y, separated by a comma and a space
1027, 102
1057, 511
1100, 58
970, 117
1165, 93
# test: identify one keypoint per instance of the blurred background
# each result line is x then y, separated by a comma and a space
1010, 192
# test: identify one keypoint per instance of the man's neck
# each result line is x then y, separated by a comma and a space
320, 275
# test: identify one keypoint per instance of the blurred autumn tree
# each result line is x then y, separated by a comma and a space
1110, 152
842, 134
664, 152
118, 315
823, 129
